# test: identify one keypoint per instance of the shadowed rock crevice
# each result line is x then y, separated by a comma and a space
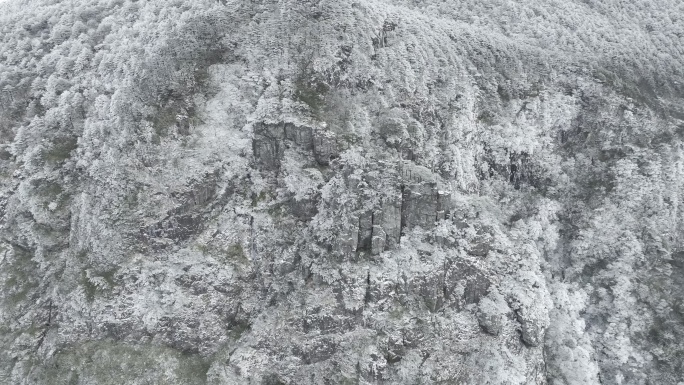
341, 192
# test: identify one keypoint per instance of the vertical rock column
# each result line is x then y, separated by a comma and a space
390, 220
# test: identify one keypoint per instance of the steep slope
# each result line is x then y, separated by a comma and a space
341, 192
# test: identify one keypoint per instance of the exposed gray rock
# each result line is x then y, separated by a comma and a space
532, 329
378, 241
341, 192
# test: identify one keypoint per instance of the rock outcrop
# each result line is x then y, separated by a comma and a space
341, 192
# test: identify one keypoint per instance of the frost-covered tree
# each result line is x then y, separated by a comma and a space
352, 192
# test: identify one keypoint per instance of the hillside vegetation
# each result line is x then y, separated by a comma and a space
341, 192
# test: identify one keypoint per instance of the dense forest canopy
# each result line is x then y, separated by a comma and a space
269, 165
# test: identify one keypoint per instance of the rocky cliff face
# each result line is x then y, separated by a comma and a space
341, 192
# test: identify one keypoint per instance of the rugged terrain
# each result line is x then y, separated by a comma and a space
341, 192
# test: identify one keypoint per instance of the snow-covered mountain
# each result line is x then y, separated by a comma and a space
341, 192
